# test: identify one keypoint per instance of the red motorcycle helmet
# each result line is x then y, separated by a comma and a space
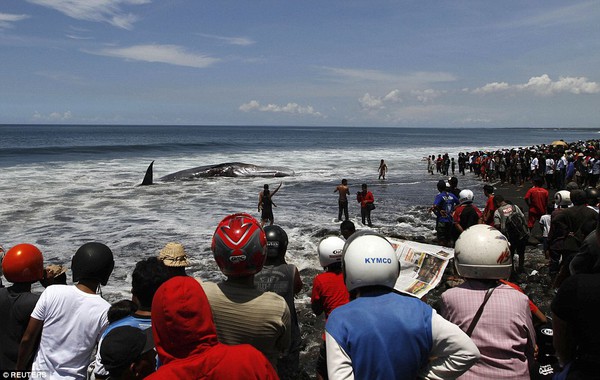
239, 245
23, 263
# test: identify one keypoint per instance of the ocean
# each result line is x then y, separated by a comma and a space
62, 186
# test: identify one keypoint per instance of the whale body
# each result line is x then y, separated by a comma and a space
228, 169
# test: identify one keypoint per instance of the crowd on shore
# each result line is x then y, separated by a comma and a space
567, 224
558, 164
179, 327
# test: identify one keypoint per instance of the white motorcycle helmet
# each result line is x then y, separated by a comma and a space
482, 252
330, 250
465, 196
369, 259
562, 198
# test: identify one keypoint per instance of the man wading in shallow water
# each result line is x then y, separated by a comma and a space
343, 190
265, 205
382, 169
366, 200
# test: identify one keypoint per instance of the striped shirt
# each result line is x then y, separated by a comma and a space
247, 315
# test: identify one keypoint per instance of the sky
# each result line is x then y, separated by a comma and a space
302, 63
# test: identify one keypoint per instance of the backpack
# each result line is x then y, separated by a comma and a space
516, 226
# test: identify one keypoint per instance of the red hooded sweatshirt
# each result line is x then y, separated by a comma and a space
186, 338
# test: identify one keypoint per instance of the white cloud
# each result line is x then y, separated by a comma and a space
109, 11
171, 54
545, 86
250, 106
427, 96
370, 102
492, 87
393, 96
291, 108
7, 20
53, 116
240, 41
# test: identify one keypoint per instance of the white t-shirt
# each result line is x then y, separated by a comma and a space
549, 166
545, 224
534, 164
73, 322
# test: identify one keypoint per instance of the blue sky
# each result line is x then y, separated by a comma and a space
356, 63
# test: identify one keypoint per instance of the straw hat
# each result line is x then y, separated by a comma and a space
55, 270
173, 255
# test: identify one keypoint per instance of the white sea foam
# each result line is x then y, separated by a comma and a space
61, 205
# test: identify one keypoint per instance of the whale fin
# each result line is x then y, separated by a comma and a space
149, 175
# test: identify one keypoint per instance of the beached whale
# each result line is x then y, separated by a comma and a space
228, 169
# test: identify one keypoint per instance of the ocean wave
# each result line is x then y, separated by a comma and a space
59, 151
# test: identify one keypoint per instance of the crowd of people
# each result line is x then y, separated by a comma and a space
179, 327
568, 225
557, 164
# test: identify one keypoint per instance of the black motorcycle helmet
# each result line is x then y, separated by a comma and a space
92, 261
592, 195
277, 241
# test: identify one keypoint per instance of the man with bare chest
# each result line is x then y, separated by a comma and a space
343, 191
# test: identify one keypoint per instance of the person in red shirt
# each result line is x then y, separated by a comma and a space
537, 200
329, 290
367, 204
488, 211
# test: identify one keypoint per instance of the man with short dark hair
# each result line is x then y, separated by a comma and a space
453, 182
128, 353
347, 228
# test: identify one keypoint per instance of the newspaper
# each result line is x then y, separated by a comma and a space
421, 266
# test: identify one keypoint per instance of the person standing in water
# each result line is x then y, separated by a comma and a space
382, 169
366, 200
343, 191
265, 205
